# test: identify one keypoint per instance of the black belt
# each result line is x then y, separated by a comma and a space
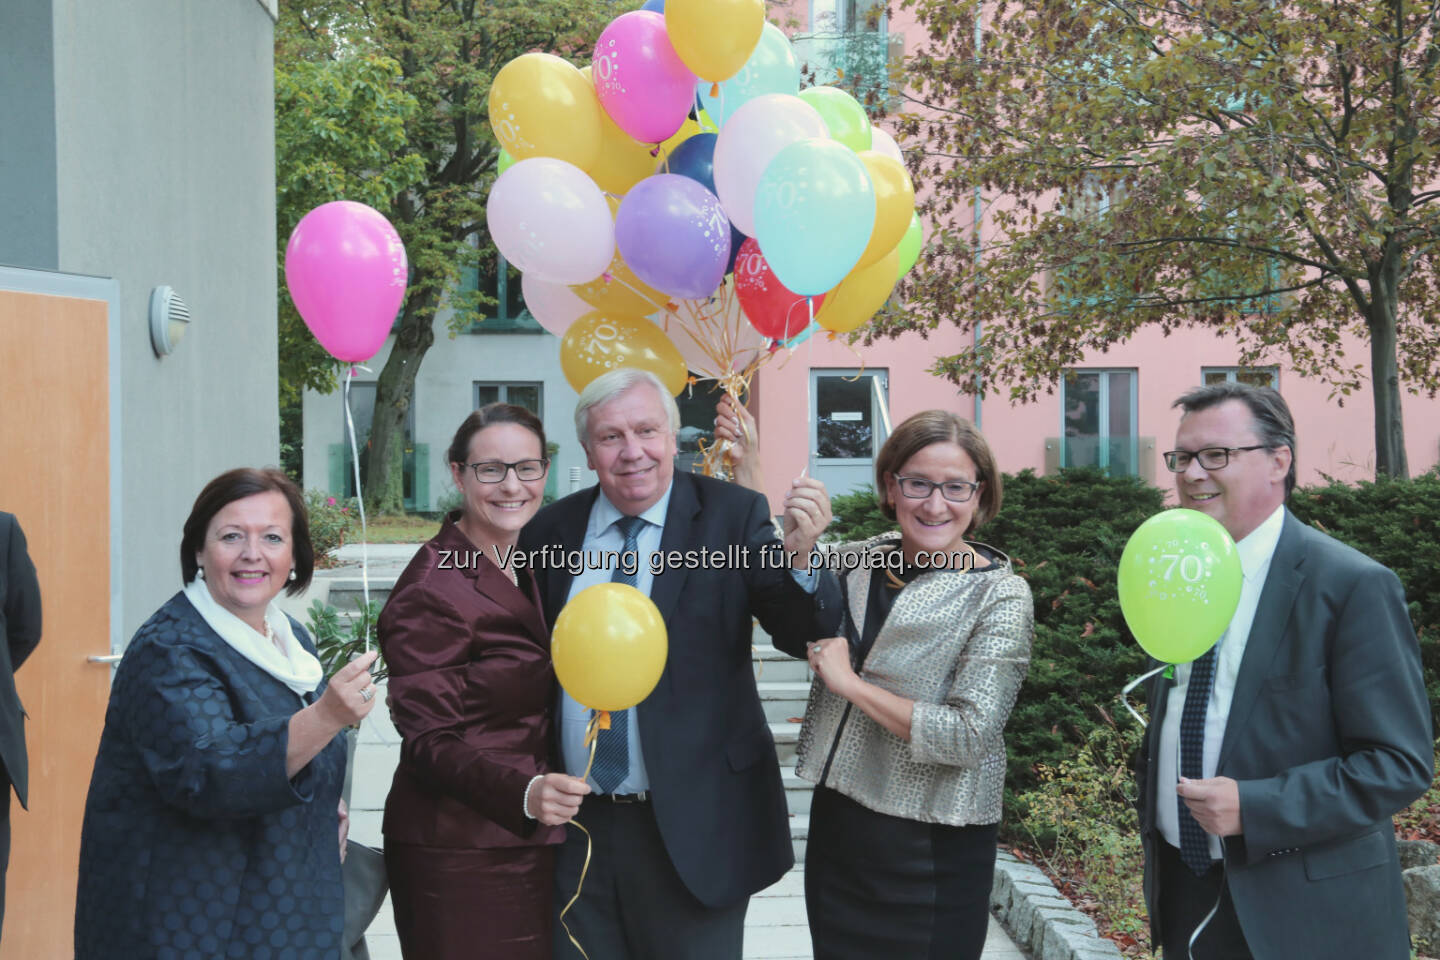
642, 797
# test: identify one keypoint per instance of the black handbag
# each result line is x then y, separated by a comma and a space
363, 875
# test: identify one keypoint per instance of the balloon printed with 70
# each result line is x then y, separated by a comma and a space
1179, 584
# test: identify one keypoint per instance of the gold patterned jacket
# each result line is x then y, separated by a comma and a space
958, 644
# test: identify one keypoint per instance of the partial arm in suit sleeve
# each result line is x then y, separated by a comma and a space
22, 598
426, 644
175, 709
1382, 720
961, 731
788, 613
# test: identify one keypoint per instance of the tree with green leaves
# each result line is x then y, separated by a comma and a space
1267, 170
446, 53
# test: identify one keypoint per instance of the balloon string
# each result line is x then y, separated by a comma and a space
1125, 692
616, 278
592, 730
359, 497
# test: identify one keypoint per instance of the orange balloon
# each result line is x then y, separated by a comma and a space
600, 342
894, 204
621, 162
863, 291
609, 645
623, 292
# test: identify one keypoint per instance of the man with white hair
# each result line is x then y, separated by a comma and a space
688, 814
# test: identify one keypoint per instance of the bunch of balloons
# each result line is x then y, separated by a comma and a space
684, 153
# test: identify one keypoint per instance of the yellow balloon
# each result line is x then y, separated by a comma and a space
541, 106
609, 645
623, 292
863, 291
706, 124
894, 204
599, 342
714, 38
621, 162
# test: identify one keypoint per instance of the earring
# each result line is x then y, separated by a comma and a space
199, 573
292, 574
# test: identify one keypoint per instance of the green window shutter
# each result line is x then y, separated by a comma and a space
335, 469
422, 477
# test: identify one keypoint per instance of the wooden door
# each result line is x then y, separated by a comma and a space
55, 477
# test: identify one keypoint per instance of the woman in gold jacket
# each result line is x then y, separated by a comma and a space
903, 730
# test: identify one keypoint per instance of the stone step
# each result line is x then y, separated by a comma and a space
797, 791
799, 833
774, 666
784, 700
787, 737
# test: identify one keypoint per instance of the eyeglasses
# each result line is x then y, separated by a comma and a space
918, 488
493, 471
1211, 458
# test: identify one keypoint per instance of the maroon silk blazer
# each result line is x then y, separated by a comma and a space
471, 692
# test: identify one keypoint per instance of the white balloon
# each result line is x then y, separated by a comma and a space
548, 217
748, 142
882, 142
553, 305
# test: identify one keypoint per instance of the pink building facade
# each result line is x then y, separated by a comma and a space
828, 407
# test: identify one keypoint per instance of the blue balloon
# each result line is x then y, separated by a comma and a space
695, 158
814, 212
657, 6
772, 68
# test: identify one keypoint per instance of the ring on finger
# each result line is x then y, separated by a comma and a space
367, 693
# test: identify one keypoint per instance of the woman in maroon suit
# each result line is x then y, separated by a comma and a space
474, 812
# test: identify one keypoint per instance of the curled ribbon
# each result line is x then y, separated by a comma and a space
599, 720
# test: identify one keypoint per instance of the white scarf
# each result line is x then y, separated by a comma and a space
297, 667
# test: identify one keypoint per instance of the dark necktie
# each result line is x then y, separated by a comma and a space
612, 746
1194, 842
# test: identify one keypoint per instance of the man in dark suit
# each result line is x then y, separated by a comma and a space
688, 817
20, 623
1273, 764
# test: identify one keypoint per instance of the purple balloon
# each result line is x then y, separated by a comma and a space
674, 234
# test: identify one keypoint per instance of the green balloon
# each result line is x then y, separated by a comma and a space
1179, 584
506, 161
910, 245
843, 116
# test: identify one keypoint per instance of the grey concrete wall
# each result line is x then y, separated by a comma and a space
28, 229
165, 166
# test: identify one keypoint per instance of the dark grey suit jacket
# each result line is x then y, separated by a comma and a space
1328, 736
20, 626
711, 761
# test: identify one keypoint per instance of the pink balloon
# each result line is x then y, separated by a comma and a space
640, 79
346, 270
750, 139
553, 305
548, 218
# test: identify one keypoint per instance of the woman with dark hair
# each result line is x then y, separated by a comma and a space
213, 827
903, 731
475, 811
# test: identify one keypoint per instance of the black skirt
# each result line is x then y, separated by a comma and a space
884, 886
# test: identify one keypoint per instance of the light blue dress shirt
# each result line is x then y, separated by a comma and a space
603, 540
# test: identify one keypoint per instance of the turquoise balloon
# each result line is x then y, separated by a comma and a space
814, 211
910, 245
772, 68
1179, 584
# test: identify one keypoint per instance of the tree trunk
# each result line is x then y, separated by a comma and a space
1390, 459
394, 393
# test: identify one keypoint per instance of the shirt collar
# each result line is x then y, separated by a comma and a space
605, 514
1258, 546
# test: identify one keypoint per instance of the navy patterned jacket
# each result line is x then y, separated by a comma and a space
195, 844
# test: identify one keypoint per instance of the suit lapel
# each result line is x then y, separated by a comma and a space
568, 528
492, 584
679, 534
1267, 631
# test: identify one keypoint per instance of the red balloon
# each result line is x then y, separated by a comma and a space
773, 309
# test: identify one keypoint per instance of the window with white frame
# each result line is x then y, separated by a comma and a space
1255, 376
1099, 423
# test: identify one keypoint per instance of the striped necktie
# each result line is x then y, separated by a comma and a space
612, 746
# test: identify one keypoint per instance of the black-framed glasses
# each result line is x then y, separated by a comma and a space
493, 471
956, 491
1211, 458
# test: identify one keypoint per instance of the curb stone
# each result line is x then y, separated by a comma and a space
1040, 918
